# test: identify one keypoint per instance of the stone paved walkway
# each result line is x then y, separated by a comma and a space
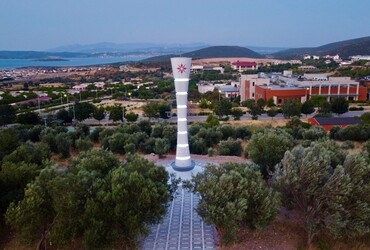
182, 227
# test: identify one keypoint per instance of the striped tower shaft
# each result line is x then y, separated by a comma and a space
181, 71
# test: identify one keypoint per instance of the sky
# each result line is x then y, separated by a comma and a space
45, 24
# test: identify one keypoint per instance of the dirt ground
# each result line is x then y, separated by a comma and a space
259, 123
203, 158
284, 233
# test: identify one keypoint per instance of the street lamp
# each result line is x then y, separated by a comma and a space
38, 102
307, 90
219, 95
123, 113
66, 95
74, 112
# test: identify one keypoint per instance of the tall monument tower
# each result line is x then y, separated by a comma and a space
181, 71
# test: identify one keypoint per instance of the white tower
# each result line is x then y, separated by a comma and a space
181, 71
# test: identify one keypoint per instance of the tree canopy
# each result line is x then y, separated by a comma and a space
232, 195
291, 108
333, 196
267, 147
307, 107
339, 105
91, 201
7, 114
83, 110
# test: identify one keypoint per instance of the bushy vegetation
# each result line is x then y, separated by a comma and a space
233, 195
90, 200
80, 201
267, 147
360, 132
333, 196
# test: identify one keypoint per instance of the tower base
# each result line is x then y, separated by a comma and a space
183, 169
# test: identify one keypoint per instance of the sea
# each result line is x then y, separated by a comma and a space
86, 61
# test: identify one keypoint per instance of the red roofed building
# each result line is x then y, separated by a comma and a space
243, 66
328, 122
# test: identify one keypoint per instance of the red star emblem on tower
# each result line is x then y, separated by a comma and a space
181, 68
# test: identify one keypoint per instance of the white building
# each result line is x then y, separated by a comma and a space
229, 91
360, 57
201, 68
204, 87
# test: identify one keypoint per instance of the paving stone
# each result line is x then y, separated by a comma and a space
182, 227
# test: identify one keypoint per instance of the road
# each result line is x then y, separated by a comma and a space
202, 118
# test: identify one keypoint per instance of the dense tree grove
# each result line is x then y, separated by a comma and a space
90, 200
58, 186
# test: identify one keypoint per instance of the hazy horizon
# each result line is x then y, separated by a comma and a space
43, 25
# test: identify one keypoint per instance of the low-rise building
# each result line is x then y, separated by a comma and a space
307, 68
281, 93
51, 85
248, 84
204, 87
201, 68
283, 88
229, 91
244, 66
328, 122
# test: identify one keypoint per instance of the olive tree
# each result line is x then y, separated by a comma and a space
233, 195
267, 147
339, 105
98, 199
334, 198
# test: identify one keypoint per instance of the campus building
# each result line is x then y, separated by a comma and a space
243, 66
281, 88
248, 85
329, 122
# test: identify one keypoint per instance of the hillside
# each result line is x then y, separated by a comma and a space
212, 52
38, 54
107, 47
359, 46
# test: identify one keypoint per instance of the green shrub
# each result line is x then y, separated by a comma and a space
348, 145
63, 144
267, 147
232, 196
198, 145
211, 151
314, 133
331, 194
83, 145
130, 148
230, 147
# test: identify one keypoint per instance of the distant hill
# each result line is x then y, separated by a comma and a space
107, 47
38, 54
211, 52
359, 46
265, 50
